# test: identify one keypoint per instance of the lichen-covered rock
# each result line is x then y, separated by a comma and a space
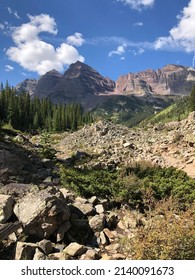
42, 212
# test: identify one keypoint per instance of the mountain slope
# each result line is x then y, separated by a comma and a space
177, 111
130, 110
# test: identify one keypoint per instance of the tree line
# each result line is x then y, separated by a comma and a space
27, 114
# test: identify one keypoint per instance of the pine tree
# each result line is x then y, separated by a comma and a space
25, 114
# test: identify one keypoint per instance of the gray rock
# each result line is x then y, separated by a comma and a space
87, 208
93, 200
25, 251
56, 256
17, 190
112, 220
103, 238
75, 249
46, 246
42, 212
91, 255
6, 207
99, 209
39, 255
64, 227
97, 222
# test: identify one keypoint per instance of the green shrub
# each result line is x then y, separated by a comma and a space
46, 150
130, 184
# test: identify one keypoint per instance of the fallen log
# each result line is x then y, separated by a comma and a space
7, 229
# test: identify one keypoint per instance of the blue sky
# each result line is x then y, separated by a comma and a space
113, 36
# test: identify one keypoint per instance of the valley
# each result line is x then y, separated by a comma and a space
98, 189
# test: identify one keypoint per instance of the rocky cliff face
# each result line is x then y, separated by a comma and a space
171, 79
78, 84
47, 83
28, 85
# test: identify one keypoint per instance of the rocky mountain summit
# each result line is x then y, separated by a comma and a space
82, 84
78, 84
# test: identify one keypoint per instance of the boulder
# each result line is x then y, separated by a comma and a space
42, 212
90, 255
6, 207
64, 227
17, 190
99, 209
39, 255
46, 246
97, 222
86, 208
75, 249
56, 256
25, 251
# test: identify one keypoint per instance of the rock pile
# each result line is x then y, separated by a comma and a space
56, 225
109, 146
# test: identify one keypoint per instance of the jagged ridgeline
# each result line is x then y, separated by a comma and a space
23, 113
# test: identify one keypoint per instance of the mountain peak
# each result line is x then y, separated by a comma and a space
53, 72
173, 67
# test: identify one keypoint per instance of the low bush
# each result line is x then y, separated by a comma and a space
130, 184
169, 234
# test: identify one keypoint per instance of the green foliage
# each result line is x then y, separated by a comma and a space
36, 114
131, 184
175, 112
89, 182
165, 182
46, 150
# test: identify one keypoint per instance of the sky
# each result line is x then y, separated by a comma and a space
114, 37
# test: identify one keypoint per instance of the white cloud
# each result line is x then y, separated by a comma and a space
9, 10
15, 13
138, 4
2, 26
76, 39
120, 50
9, 68
140, 51
138, 23
33, 54
181, 36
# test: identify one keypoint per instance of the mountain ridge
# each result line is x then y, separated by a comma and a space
82, 84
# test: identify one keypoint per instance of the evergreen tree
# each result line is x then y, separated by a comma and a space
24, 113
